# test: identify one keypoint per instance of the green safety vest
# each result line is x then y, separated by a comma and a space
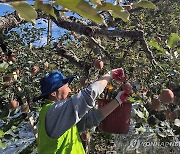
67, 143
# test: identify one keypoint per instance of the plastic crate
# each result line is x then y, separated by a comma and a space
118, 121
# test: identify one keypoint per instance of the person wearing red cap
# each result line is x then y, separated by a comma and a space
62, 117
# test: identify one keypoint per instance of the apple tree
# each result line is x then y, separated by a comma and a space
140, 36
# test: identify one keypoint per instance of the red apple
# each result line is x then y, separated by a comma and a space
7, 79
12, 57
166, 96
85, 136
171, 115
3, 57
35, 70
99, 64
13, 104
127, 88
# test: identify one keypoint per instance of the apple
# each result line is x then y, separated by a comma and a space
166, 96
172, 115
3, 57
99, 64
127, 88
12, 57
7, 79
35, 70
85, 136
13, 105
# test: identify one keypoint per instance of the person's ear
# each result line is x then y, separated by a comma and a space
53, 93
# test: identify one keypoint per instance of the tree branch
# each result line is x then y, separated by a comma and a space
149, 54
75, 60
95, 30
13, 20
93, 43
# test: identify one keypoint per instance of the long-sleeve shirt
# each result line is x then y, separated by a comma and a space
64, 114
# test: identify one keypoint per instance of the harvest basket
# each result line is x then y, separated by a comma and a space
118, 121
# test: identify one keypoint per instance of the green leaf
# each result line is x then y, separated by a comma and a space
96, 2
177, 122
178, 50
139, 113
123, 14
47, 8
110, 6
52, 65
173, 39
1, 133
145, 4
146, 113
25, 10
133, 100
117, 11
141, 129
3, 66
155, 44
82, 8
2, 145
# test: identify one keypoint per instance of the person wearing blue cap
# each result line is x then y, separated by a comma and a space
62, 117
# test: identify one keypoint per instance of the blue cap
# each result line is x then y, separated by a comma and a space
52, 82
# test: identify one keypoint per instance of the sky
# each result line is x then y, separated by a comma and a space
56, 31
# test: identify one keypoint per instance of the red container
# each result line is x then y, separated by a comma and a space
118, 121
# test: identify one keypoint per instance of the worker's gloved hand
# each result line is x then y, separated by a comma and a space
121, 97
118, 74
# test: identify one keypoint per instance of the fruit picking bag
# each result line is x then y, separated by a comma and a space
118, 121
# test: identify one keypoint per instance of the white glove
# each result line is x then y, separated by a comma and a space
121, 97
